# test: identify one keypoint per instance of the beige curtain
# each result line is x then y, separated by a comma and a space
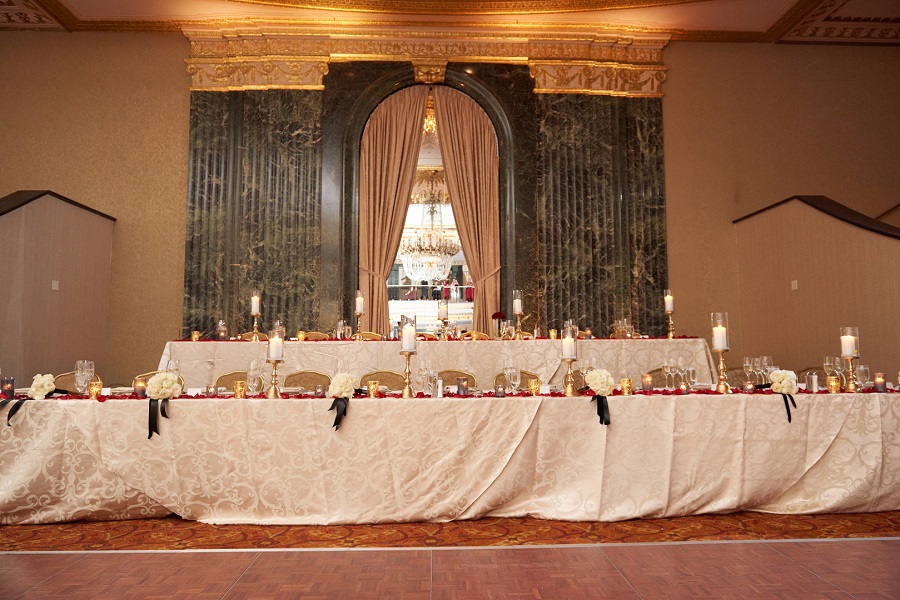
472, 165
389, 152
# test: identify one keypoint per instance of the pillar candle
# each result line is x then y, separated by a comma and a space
254, 305
276, 348
670, 303
408, 338
880, 385
517, 306
720, 338
360, 304
568, 348
848, 345
442, 310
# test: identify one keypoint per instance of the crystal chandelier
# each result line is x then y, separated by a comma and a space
427, 253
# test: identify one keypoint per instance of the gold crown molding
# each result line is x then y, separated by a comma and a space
230, 74
597, 79
469, 7
253, 58
429, 71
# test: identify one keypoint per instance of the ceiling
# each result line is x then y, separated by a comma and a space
767, 21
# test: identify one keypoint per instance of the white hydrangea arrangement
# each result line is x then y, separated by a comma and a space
163, 385
342, 386
783, 381
41, 386
600, 381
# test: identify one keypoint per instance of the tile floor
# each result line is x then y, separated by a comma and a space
847, 569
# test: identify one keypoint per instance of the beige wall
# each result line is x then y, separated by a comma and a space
799, 326
103, 118
747, 125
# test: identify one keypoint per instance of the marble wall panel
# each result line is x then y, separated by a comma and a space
254, 209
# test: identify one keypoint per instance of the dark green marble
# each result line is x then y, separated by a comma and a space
254, 206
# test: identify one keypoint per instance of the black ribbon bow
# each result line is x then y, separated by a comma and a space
157, 407
340, 407
787, 406
15, 407
602, 409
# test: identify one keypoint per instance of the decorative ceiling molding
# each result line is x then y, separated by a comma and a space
468, 7
256, 73
242, 58
26, 14
850, 21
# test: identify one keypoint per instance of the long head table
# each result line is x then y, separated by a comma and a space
202, 362
423, 459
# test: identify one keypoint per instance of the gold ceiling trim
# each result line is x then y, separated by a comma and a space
468, 7
605, 79
263, 57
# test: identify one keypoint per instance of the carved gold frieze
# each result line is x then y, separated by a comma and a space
597, 78
253, 74
430, 71
254, 57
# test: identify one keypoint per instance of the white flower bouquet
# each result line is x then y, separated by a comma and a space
41, 386
600, 381
342, 386
783, 381
163, 385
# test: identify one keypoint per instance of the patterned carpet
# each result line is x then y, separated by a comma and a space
174, 533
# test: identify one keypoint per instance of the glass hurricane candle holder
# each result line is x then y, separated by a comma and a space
647, 382
879, 383
627, 386
140, 387
8, 386
849, 342
719, 330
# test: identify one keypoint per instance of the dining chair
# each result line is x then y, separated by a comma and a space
259, 334
226, 380
307, 380
66, 381
147, 376
392, 379
659, 378
316, 336
368, 335
449, 377
525, 377
425, 336
474, 335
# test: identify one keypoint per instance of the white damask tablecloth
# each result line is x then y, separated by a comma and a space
280, 461
202, 362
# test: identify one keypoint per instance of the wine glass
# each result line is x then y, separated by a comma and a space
862, 373
513, 378
757, 369
174, 366
84, 370
765, 365
828, 365
667, 371
839, 369
748, 366
254, 376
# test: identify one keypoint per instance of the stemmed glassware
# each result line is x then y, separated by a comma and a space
765, 365
839, 369
748, 367
84, 372
254, 377
668, 371
513, 378
862, 373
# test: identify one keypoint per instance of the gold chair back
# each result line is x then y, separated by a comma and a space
147, 376
370, 335
659, 378
449, 376
392, 379
307, 380
474, 335
226, 380
66, 381
316, 336
249, 335
525, 377
423, 335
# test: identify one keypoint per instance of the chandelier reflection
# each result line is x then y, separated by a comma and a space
427, 252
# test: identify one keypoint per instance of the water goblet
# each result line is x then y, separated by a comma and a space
514, 378
254, 377
748, 367
862, 373
667, 371
174, 366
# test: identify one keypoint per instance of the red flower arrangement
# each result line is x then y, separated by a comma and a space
499, 315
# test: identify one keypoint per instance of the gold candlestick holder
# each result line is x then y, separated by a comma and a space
254, 337
853, 384
407, 374
671, 335
569, 380
722, 387
519, 335
358, 334
444, 331
274, 392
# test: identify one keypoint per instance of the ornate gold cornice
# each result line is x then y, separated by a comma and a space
254, 57
605, 79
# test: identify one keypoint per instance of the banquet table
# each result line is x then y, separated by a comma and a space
280, 461
201, 362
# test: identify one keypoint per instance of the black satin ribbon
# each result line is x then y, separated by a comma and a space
787, 407
157, 407
15, 407
340, 407
602, 409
